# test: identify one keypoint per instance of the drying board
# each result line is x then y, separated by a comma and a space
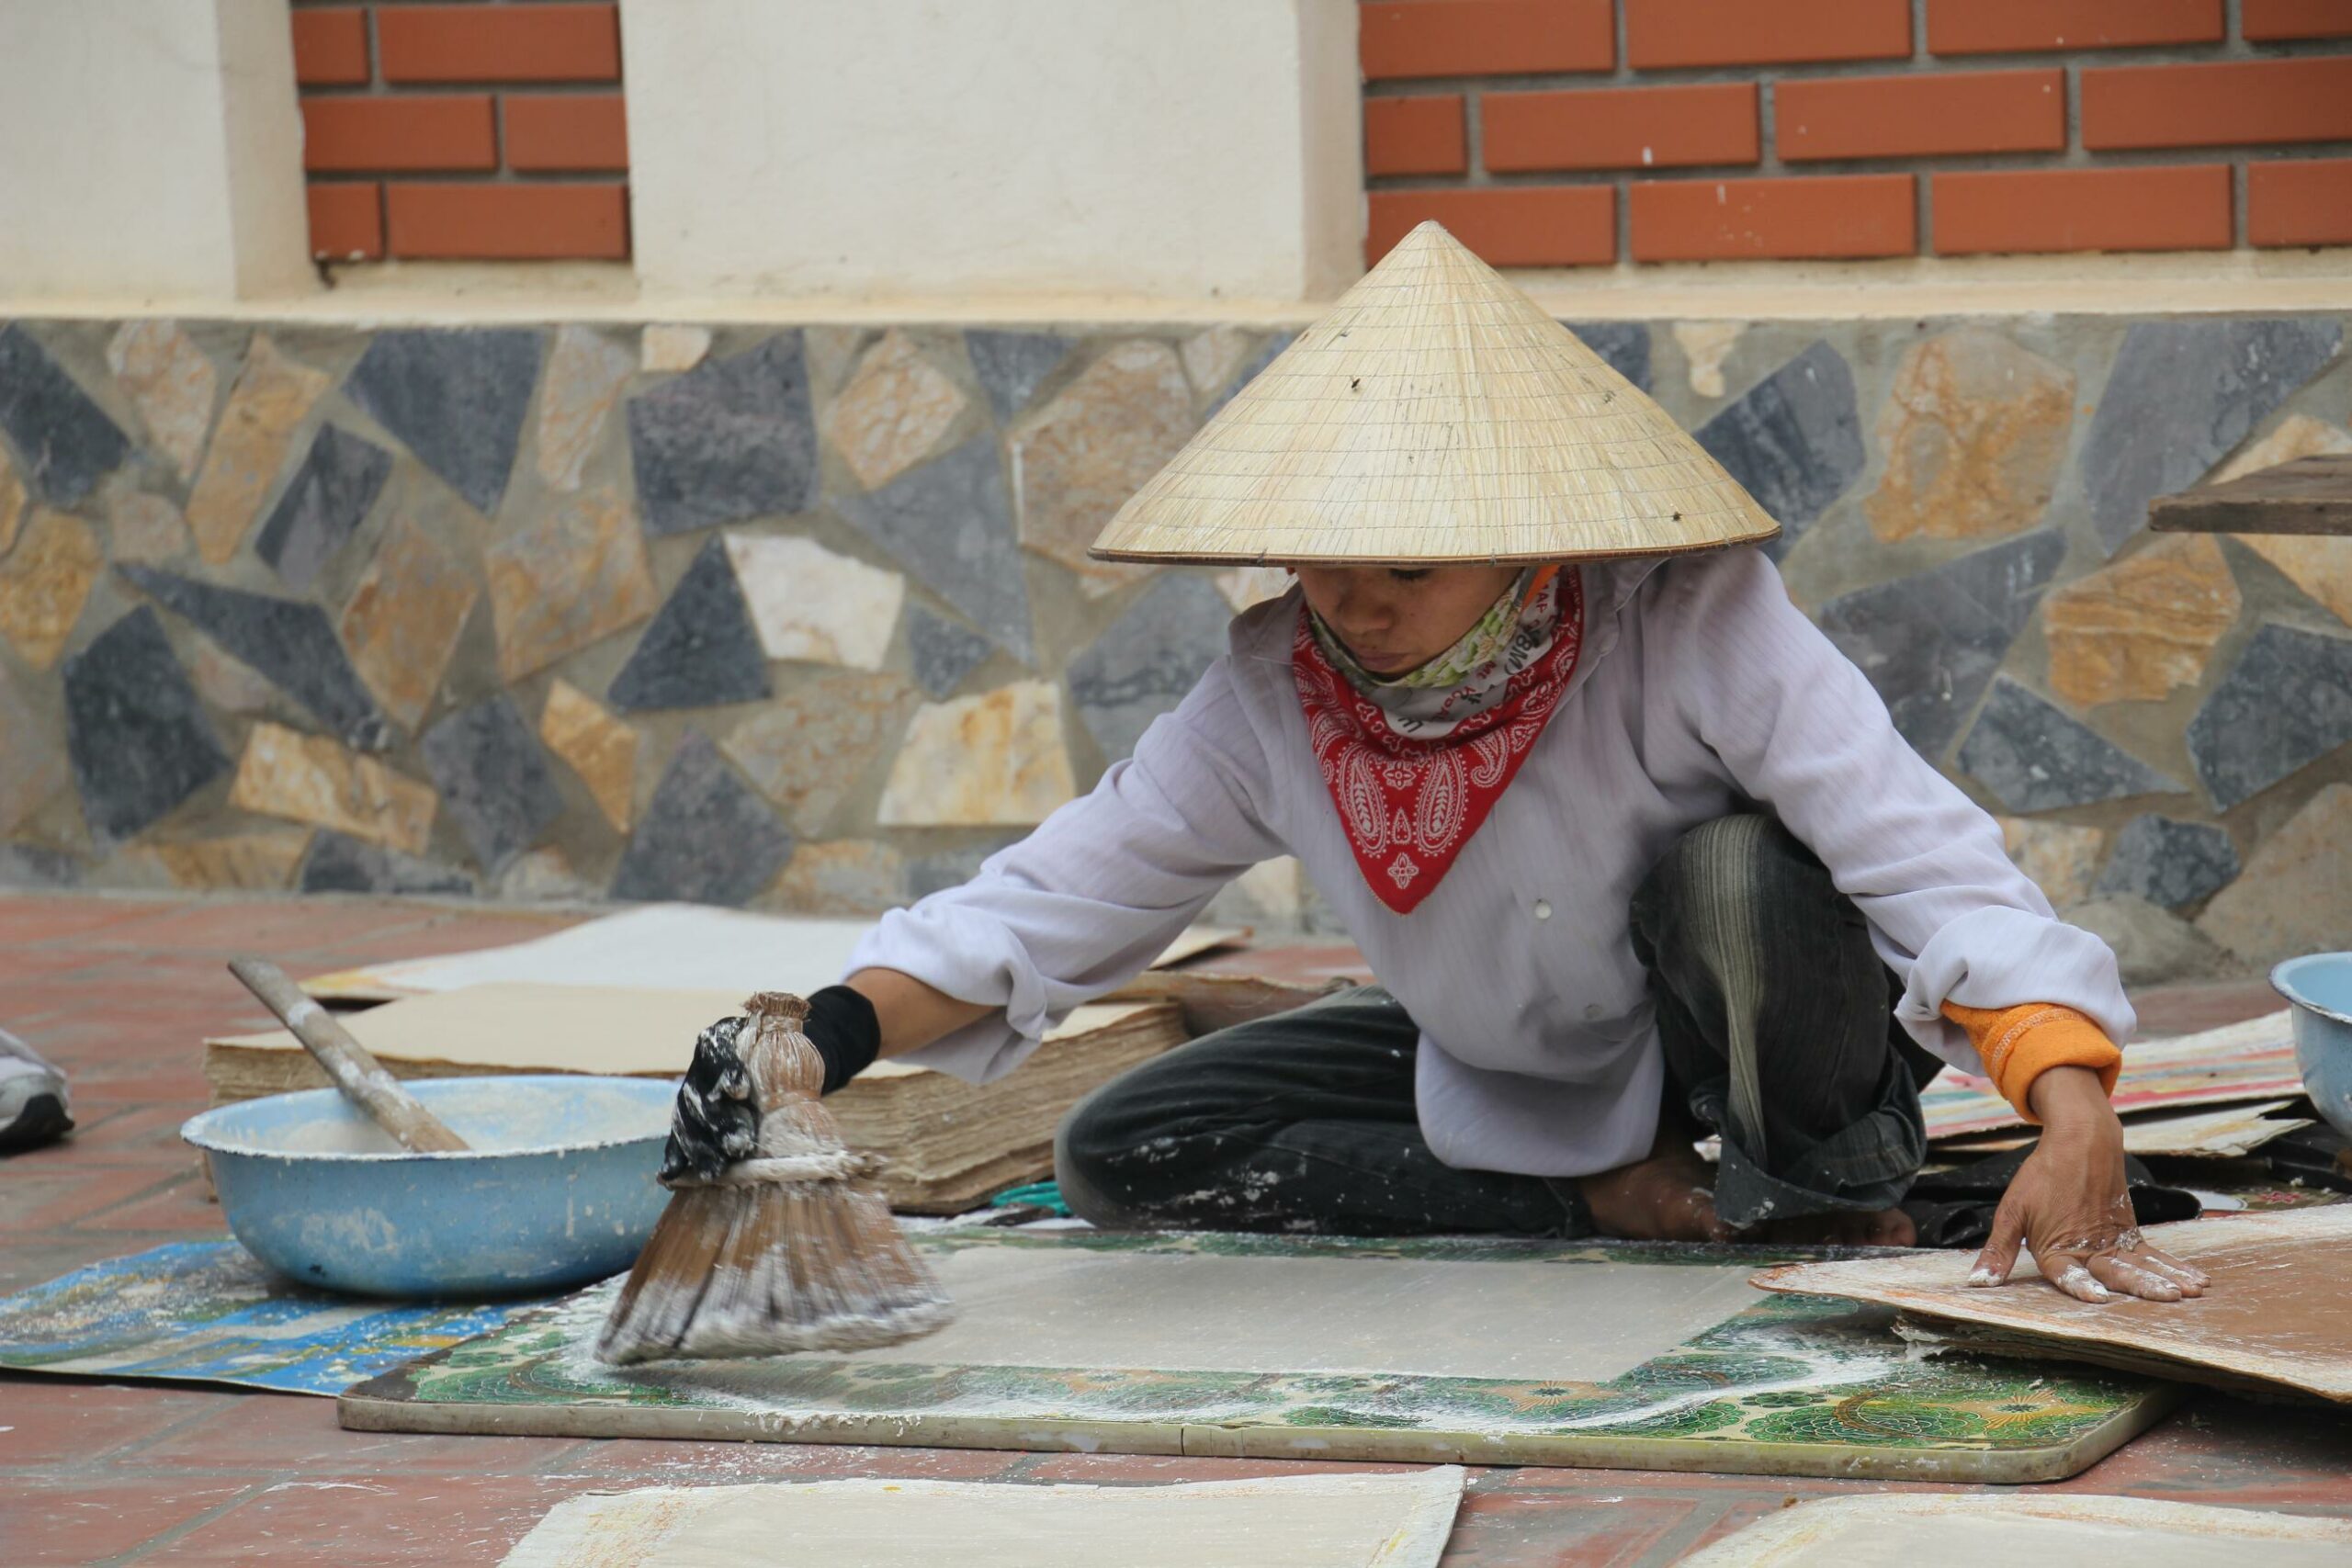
1911, 1530
689, 947
2279, 1313
1449, 1351
2252, 1060
1301, 1521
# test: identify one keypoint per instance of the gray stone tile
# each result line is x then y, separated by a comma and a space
66, 442
2035, 758
731, 440
1146, 660
324, 505
948, 868
705, 838
494, 779
291, 641
1931, 641
337, 864
1249, 373
702, 649
1625, 344
2179, 395
2286, 703
1794, 439
2168, 863
950, 522
945, 652
1011, 367
37, 865
456, 398
135, 731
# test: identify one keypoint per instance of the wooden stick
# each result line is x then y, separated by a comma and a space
361, 1078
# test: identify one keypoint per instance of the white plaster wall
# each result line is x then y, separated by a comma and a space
150, 148
912, 148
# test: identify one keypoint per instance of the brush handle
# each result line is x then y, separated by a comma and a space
361, 1078
787, 1077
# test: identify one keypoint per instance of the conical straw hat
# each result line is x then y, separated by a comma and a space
1436, 415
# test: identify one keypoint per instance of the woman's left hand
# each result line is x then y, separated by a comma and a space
2068, 1203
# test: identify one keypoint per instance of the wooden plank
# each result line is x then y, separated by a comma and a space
2309, 495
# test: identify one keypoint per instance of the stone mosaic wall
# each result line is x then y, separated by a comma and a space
801, 619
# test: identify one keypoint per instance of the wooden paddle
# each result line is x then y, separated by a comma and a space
361, 1078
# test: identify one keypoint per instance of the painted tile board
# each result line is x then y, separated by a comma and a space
1789, 1386
662, 946
2279, 1310
2252, 1060
1908, 1531
210, 1312
1302, 1521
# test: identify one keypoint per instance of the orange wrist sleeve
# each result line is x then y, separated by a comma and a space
2019, 1044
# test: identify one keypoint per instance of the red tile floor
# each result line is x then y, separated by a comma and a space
121, 991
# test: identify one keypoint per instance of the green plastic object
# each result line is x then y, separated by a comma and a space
1036, 1195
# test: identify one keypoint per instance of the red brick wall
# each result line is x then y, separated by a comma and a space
1581, 132
463, 128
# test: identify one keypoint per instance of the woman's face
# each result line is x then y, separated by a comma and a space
1395, 620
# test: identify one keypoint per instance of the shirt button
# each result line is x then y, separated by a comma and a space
1542, 909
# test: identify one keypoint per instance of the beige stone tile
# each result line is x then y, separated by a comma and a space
403, 620
585, 374
32, 760
666, 347
1244, 586
994, 759
805, 750
810, 603
170, 381
2063, 860
12, 503
1705, 345
2142, 627
145, 529
309, 778
2295, 895
1077, 459
1975, 434
852, 876
272, 396
2321, 567
44, 583
575, 574
1211, 358
894, 411
595, 745
262, 860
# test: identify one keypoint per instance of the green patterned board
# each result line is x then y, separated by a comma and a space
1791, 1385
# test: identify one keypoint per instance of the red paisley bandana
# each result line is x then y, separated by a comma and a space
1410, 806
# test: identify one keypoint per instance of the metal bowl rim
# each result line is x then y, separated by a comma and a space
194, 1130
2283, 982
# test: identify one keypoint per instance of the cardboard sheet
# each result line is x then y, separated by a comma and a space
1908, 1531
1302, 1521
2278, 1313
2252, 1060
662, 946
208, 1311
1447, 1350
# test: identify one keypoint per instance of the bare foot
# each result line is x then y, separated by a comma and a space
1667, 1197
1886, 1227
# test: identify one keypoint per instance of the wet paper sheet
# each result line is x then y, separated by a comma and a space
1306, 1521
1433, 1350
2279, 1311
1911, 1531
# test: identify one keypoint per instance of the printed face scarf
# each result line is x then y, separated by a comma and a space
1413, 766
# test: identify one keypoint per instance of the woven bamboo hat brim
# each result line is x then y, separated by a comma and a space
1436, 415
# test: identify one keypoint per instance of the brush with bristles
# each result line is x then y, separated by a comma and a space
790, 1250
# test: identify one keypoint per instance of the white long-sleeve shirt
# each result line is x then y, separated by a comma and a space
1701, 692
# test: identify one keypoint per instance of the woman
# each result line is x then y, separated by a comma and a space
1633, 851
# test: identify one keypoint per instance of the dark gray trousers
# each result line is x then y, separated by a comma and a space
1774, 1011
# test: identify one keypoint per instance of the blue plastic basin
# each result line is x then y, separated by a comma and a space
2320, 986
556, 1189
